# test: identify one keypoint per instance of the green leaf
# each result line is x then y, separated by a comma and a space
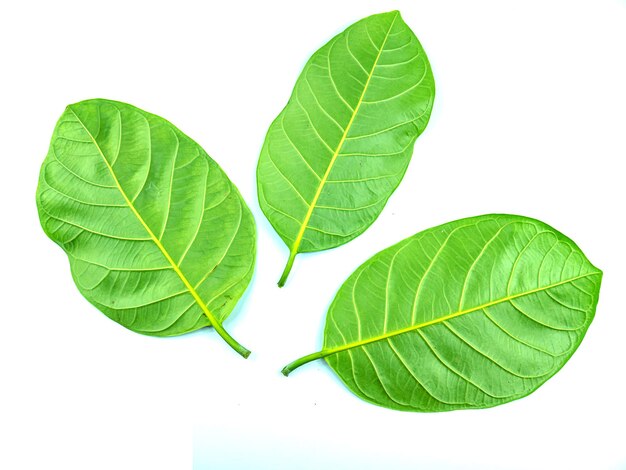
157, 236
340, 147
470, 314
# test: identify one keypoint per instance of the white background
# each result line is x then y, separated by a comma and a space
529, 118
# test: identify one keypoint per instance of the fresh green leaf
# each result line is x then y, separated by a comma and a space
470, 314
157, 236
340, 147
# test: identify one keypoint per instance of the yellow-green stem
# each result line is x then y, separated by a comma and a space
303, 360
283, 278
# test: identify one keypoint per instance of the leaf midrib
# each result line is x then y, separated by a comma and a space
215, 323
356, 344
322, 183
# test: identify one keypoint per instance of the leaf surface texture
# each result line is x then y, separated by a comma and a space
470, 314
157, 236
341, 146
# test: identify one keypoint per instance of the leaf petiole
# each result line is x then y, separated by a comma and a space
232, 342
287, 270
303, 360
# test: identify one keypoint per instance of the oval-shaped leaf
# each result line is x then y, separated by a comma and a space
470, 314
157, 236
340, 147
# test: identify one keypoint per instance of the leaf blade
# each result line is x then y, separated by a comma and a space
345, 112
472, 355
150, 174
